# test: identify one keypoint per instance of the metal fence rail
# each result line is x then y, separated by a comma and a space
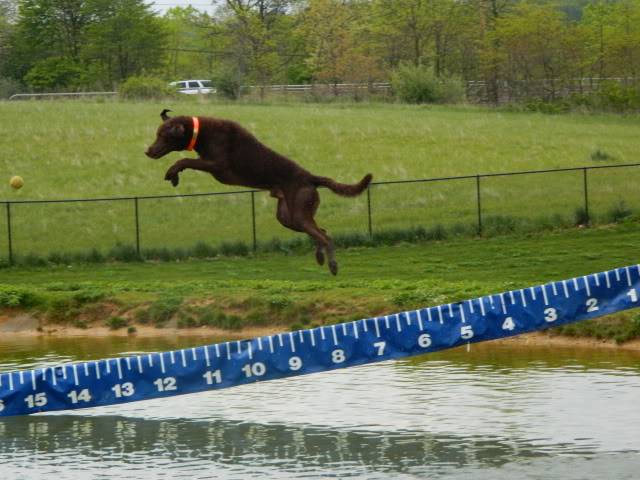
476, 183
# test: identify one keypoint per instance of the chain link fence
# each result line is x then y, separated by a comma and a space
472, 205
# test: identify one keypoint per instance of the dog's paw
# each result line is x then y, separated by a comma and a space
333, 267
172, 176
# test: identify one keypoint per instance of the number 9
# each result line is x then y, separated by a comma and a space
295, 363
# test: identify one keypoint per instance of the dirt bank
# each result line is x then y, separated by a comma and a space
29, 326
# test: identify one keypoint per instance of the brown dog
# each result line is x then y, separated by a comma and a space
235, 157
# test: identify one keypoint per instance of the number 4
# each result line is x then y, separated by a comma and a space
508, 324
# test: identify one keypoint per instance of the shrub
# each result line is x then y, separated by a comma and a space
115, 323
54, 73
143, 87
601, 156
580, 217
124, 253
614, 96
159, 312
228, 85
8, 87
419, 84
17, 297
619, 212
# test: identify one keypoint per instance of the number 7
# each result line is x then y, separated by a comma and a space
380, 346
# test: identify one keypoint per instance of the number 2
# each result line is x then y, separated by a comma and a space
592, 305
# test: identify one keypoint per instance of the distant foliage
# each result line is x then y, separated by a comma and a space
419, 84
143, 87
228, 85
9, 86
53, 74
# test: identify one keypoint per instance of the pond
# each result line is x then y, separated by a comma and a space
497, 411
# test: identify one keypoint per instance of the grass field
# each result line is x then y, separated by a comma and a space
290, 290
72, 149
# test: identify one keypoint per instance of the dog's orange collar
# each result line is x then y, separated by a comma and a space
194, 137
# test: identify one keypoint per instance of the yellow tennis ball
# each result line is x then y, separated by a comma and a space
16, 182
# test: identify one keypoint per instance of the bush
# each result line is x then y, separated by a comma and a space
54, 73
619, 98
419, 84
143, 87
115, 323
228, 85
8, 87
619, 212
159, 312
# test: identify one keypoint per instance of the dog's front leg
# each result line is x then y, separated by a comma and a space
172, 174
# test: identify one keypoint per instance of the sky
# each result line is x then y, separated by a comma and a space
163, 5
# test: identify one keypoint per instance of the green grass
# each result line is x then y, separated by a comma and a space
67, 149
290, 290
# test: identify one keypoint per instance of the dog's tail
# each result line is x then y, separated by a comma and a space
342, 188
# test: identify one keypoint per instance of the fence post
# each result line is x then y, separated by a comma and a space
479, 205
8, 206
253, 220
135, 203
369, 211
586, 196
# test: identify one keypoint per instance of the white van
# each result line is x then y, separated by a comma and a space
193, 87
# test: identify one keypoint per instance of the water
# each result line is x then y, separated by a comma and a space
496, 412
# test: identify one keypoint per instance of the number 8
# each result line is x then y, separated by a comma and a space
337, 356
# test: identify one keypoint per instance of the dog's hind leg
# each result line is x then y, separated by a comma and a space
283, 215
306, 204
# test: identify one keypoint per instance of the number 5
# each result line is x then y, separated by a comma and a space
466, 332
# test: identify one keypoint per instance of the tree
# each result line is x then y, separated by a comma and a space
258, 36
125, 38
532, 39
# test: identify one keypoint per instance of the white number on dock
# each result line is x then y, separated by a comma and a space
83, 396
380, 346
165, 384
337, 356
633, 294
592, 305
213, 377
295, 363
550, 314
1, 405
466, 332
424, 340
508, 324
37, 400
258, 369
123, 390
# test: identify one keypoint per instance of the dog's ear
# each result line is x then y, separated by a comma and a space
164, 116
177, 130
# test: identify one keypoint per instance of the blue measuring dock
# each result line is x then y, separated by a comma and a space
415, 332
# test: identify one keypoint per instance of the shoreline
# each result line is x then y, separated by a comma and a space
25, 326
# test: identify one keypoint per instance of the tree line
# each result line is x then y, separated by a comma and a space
535, 48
